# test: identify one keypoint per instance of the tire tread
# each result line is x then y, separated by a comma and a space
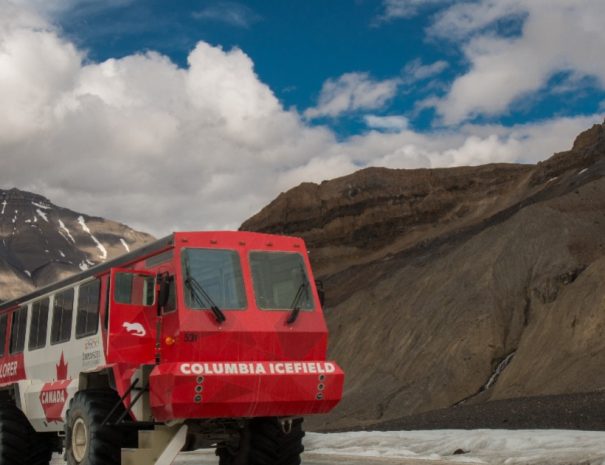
268, 445
104, 441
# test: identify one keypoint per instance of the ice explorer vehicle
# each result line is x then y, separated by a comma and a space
201, 339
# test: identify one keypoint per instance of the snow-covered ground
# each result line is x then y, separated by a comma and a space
494, 447
497, 447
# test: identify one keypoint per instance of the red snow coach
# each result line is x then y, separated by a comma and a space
201, 339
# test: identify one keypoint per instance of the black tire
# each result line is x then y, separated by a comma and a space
94, 444
14, 434
265, 443
292, 444
19, 443
41, 449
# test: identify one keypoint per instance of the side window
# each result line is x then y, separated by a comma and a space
87, 318
134, 289
18, 330
3, 325
38, 324
123, 288
63, 309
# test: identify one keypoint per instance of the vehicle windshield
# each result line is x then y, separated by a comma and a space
219, 273
280, 281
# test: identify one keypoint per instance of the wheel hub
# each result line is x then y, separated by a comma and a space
79, 440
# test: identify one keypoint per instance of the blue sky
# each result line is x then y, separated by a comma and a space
225, 104
296, 46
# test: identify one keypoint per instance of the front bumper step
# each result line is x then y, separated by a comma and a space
244, 389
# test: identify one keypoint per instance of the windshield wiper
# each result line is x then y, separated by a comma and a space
198, 290
295, 306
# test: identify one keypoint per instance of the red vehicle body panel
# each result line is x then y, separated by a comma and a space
184, 349
246, 336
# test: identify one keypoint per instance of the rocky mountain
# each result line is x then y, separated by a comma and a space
458, 286
41, 242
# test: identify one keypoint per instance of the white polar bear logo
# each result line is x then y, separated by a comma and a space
136, 329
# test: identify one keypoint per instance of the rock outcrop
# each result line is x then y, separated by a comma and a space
435, 277
41, 242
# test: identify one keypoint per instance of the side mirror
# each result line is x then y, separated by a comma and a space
164, 281
320, 291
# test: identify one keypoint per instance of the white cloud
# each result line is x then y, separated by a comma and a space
416, 70
52, 8
556, 36
231, 13
352, 92
317, 169
160, 148
36, 68
467, 145
469, 17
388, 123
406, 8
196, 146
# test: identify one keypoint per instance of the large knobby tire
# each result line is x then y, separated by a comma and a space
19, 443
87, 442
14, 435
264, 442
41, 449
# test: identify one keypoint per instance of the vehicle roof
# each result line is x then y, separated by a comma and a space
147, 250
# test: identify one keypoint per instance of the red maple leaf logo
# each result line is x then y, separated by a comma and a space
61, 368
54, 394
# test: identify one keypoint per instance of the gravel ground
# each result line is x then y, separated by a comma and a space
573, 411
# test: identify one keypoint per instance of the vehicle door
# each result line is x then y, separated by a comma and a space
133, 318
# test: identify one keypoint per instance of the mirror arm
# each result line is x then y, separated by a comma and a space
163, 280
320, 291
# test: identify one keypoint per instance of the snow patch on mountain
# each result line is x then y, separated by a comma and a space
64, 229
42, 206
125, 244
42, 215
102, 249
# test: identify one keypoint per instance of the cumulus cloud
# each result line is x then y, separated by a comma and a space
162, 148
352, 92
467, 145
197, 146
504, 68
36, 68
